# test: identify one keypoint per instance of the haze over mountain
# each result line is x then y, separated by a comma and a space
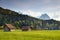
44, 17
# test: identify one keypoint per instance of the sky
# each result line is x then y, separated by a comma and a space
34, 8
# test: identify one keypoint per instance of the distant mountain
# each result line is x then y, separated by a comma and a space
44, 17
8, 16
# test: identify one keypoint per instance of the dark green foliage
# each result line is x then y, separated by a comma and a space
8, 16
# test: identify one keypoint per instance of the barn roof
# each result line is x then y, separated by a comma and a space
10, 26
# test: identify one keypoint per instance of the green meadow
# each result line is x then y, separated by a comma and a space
30, 35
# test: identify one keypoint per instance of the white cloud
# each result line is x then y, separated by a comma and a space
56, 16
53, 15
31, 13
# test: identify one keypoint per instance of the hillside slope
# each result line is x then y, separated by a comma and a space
9, 16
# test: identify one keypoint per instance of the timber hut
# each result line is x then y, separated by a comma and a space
25, 27
8, 27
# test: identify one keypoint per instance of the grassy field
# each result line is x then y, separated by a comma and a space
31, 35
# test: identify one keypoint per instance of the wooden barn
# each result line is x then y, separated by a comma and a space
8, 27
26, 27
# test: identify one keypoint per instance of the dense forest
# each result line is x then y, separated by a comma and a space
17, 19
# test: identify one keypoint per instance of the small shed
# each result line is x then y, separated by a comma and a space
8, 27
25, 27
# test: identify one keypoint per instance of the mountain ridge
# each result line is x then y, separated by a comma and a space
44, 17
8, 16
